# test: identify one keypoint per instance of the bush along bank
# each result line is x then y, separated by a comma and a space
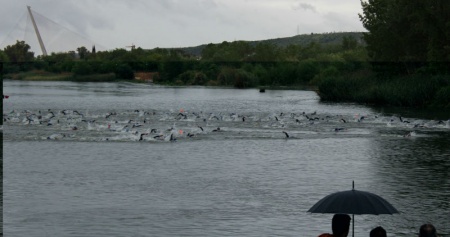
415, 90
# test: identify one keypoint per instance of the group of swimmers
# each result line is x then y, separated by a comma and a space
340, 226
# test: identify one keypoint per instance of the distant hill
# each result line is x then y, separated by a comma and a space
324, 39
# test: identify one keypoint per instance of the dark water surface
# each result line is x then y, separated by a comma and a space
248, 179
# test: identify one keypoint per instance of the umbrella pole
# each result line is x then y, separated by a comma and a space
353, 215
353, 225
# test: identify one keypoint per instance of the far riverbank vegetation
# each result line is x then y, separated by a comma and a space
403, 60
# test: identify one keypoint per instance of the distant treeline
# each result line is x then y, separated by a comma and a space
237, 64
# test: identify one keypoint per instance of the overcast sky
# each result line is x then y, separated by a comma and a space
178, 23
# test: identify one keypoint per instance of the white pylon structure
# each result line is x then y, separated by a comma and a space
41, 43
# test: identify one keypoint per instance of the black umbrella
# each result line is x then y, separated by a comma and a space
353, 202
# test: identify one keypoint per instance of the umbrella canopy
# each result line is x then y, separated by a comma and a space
353, 202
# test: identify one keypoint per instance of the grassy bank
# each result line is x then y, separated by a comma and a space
38, 75
402, 91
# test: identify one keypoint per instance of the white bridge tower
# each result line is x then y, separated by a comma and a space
44, 51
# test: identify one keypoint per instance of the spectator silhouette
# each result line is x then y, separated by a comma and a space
378, 232
427, 230
340, 225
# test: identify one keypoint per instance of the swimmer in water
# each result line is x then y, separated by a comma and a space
142, 136
172, 138
408, 134
190, 135
339, 129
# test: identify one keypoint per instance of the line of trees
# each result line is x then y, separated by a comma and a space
240, 64
411, 31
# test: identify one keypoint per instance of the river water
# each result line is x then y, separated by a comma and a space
74, 163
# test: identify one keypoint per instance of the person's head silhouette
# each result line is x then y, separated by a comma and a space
340, 225
427, 230
378, 232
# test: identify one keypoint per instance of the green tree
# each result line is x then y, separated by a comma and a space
3, 57
349, 43
437, 18
124, 71
262, 75
310, 51
82, 68
407, 31
19, 52
265, 52
83, 52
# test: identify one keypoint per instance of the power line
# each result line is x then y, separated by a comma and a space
55, 37
9, 37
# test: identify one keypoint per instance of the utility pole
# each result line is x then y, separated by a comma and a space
44, 52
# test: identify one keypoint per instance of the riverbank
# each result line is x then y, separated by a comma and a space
40, 75
413, 91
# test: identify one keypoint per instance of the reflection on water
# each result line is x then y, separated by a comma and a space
419, 170
248, 179
424, 113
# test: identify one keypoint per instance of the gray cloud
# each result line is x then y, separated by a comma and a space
208, 4
304, 6
167, 4
342, 22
